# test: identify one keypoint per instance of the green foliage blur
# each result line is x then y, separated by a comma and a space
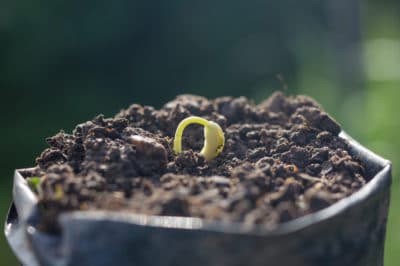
63, 62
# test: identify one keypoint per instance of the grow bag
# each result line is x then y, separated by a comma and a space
349, 232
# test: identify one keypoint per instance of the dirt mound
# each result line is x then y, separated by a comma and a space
282, 159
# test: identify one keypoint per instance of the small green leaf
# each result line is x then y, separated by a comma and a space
33, 183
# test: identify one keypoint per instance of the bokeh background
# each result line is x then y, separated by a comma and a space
62, 62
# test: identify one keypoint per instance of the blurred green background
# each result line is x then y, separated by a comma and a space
63, 62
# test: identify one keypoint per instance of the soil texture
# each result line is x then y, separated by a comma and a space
282, 159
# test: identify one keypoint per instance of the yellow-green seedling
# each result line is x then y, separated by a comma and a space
214, 139
34, 183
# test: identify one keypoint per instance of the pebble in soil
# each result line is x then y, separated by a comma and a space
282, 159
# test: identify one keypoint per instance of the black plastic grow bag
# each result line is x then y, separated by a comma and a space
350, 232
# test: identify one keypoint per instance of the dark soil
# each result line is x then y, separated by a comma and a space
282, 159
